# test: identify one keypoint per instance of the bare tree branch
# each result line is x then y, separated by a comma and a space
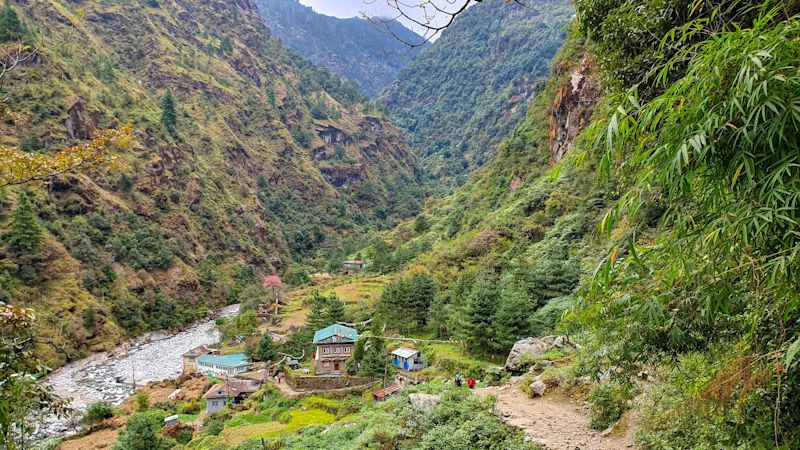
11, 56
430, 17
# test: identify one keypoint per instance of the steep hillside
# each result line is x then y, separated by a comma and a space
248, 159
647, 206
460, 98
354, 48
513, 244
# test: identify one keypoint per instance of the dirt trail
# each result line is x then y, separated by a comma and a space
552, 423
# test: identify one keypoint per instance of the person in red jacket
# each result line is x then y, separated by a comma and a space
471, 383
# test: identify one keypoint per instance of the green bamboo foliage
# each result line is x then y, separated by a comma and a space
717, 152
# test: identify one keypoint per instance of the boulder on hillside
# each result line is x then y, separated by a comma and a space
537, 388
534, 347
424, 402
81, 123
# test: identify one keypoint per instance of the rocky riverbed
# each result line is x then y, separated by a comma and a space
110, 376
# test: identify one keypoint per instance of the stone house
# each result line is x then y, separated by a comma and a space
190, 357
334, 347
230, 391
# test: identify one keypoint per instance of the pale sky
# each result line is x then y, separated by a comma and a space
351, 8
381, 8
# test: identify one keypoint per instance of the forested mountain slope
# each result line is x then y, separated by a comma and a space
247, 159
354, 48
458, 99
647, 206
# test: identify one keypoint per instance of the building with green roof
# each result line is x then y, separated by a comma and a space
334, 347
223, 366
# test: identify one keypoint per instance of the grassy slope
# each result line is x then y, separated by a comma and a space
233, 187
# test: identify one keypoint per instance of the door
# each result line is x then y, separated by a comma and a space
336, 366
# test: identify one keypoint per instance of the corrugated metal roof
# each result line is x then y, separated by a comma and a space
349, 334
387, 391
235, 360
405, 352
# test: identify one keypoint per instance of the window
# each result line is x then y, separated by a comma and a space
326, 364
337, 349
346, 349
325, 350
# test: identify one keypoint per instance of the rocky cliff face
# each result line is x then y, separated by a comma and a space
572, 106
197, 216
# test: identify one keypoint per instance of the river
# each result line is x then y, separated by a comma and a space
110, 376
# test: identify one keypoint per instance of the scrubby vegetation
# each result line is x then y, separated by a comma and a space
663, 241
215, 180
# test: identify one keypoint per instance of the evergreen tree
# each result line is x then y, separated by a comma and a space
406, 302
438, 313
266, 348
143, 433
382, 260
168, 116
376, 361
477, 318
26, 233
11, 28
318, 317
334, 310
512, 320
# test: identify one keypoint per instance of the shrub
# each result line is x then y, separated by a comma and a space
97, 412
192, 407
142, 401
608, 402
213, 424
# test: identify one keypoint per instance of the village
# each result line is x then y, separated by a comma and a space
236, 376
223, 386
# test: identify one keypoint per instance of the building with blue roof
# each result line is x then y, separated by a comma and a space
334, 347
223, 366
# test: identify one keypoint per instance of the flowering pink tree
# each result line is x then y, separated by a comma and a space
272, 282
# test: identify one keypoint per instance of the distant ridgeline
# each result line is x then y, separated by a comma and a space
354, 48
458, 99
248, 159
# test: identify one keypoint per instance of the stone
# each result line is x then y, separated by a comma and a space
534, 346
537, 388
424, 402
528, 346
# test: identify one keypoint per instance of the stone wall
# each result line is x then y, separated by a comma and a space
324, 382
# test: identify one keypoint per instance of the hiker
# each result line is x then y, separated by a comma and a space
471, 383
458, 380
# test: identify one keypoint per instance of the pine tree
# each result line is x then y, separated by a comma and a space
477, 319
266, 348
318, 317
512, 320
334, 310
168, 116
376, 361
26, 233
11, 28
